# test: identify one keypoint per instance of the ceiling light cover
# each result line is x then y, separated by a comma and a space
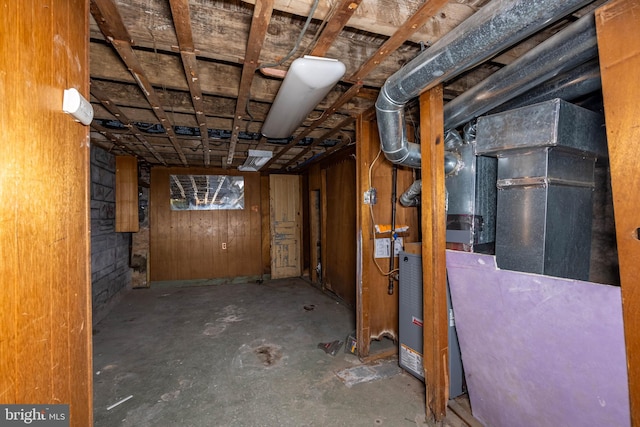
307, 82
255, 160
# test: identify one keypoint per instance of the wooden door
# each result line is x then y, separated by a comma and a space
286, 219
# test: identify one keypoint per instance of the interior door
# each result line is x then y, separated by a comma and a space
286, 220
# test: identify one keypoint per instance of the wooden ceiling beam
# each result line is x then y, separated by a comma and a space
132, 129
113, 140
326, 153
370, 17
352, 92
184, 32
112, 26
319, 140
427, 11
335, 22
259, 23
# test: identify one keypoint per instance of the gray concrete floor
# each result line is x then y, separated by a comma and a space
240, 355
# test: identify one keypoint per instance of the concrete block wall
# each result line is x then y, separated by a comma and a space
110, 272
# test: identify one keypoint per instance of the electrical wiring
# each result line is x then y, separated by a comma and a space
373, 222
298, 41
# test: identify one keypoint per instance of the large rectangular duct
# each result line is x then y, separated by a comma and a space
546, 158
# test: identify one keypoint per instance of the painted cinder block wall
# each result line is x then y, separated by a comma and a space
110, 271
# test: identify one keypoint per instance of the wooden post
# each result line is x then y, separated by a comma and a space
435, 354
618, 28
364, 245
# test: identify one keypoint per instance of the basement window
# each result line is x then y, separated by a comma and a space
206, 192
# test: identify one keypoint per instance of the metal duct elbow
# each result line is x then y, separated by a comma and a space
493, 28
410, 196
396, 147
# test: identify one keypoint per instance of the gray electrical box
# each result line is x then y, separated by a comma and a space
411, 325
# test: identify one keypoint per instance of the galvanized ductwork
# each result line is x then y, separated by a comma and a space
562, 52
573, 84
492, 29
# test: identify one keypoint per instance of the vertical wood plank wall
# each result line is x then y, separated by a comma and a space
187, 245
340, 241
127, 194
376, 310
265, 219
618, 29
45, 306
434, 280
314, 184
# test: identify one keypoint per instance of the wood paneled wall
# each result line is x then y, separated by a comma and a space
45, 306
188, 245
339, 248
127, 194
377, 311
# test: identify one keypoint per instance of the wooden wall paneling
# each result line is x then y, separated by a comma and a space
160, 235
127, 194
618, 30
341, 230
189, 244
306, 232
314, 220
435, 338
221, 258
265, 220
45, 308
200, 250
376, 310
323, 229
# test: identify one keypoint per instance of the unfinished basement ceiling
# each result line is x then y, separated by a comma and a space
179, 83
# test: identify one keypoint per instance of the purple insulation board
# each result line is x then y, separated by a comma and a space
538, 350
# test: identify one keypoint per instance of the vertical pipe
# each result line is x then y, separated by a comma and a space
394, 181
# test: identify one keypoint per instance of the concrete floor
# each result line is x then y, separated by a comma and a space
241, 355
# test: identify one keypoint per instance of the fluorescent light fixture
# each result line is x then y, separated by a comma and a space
255, 160
308, 81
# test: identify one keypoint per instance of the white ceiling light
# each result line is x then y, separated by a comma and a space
255, 160
308, 81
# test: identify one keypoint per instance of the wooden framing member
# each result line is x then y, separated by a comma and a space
113, 109
417, 20
113, 141
353, 91
182, 24
112, 26
319, 140
434, 280
335, 22
259, 23
619, 44
363, 227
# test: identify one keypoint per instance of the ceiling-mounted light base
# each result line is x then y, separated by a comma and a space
308, 81
255, 160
